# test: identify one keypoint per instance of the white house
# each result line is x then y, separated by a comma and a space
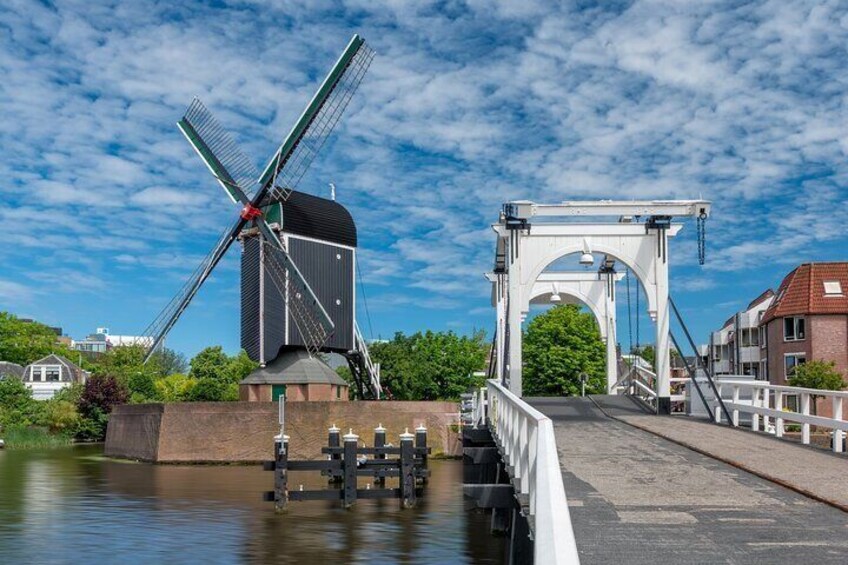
51, 374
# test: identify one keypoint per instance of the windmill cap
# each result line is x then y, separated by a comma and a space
406, 436
350, 436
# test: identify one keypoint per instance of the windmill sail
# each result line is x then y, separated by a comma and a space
162, 324
238, 177
304, 141
218, 150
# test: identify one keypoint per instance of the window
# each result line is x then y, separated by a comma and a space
793, 329
752, 369
53, 373
36, 374
792, 360
832, 288
762, 337
790, 402
750, 337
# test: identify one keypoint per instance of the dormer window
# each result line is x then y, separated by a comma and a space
832, 288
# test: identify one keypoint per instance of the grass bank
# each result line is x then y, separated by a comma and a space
33, 438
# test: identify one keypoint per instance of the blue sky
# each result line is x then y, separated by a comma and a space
104, 209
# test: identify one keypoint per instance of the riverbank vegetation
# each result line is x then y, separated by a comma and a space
119, 376
429, 365
559, 344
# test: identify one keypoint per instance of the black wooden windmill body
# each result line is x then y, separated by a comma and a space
298, 260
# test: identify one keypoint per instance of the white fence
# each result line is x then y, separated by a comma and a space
525, 438
768, 402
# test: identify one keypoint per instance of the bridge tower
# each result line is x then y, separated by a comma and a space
531, 236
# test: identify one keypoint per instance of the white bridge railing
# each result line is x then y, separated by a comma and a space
768, 402
642, 383
525, 438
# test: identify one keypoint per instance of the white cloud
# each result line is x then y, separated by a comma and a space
465, 106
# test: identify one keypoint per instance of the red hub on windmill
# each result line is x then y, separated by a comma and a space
249, 212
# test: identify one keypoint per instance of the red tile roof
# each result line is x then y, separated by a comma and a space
802, 291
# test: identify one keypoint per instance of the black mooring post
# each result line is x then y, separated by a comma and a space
379, 442
281, 458
333, 440
421, 441
351, 441
407, 469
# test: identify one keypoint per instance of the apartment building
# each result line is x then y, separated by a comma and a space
738, 348
808, 320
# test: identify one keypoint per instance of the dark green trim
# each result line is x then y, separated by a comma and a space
208, 157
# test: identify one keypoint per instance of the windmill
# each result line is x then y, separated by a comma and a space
284, 268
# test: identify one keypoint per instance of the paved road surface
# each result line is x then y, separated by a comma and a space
638, 498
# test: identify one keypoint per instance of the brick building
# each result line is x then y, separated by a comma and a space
807, 320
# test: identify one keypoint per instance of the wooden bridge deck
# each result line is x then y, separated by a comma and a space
636, 497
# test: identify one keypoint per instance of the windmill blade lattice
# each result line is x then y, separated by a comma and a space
291, 167
164, 321
218, 150
299, 298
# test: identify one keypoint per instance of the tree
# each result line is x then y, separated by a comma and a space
430, 365
217, 375
100, 395
559, 345
240, 366
169, 361
123, 363
24, 342
210, 363
821, 375
18, 409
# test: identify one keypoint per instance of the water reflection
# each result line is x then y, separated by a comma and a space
71, 505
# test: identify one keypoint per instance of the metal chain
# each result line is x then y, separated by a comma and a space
629, 312
702, 238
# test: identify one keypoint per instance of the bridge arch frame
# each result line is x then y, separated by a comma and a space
525, 249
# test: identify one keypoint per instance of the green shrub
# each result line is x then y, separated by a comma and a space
61, 416
210, 389
142, 387
18, 409
175, 388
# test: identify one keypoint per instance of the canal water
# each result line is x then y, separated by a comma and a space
72, 505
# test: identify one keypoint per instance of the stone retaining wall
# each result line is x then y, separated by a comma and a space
242, 432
